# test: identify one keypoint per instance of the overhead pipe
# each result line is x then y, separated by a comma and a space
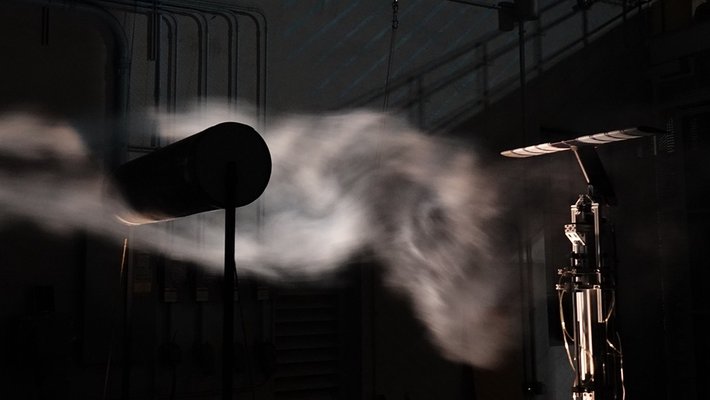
254, 14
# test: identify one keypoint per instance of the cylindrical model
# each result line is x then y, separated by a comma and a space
188, 176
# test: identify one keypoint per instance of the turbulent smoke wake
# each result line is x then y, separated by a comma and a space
341, 184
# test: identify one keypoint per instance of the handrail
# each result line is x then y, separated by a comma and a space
480, 64
558, 53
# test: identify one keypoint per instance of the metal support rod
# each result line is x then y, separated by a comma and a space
597, 358
523, 79
531, 388
127, 331
525, 246
155, 56
229, 272
45, 26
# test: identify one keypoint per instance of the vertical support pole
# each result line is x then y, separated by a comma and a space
228, 284
523, 80
127, 331
531, 386
45, 26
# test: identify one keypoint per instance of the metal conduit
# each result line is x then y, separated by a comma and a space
200, 7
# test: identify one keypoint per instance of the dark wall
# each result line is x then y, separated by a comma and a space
63, 302
59, 64
78, 321
637, 75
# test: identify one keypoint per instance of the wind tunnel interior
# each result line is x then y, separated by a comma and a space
83, 317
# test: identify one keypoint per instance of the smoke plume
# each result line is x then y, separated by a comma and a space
341, 184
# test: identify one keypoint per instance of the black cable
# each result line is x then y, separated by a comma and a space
113, 329
393, 36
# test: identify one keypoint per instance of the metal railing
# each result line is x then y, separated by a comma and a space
471, 63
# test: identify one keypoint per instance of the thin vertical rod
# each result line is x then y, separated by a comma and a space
229, 271
523, 79
127, 330
121, 275
526, 250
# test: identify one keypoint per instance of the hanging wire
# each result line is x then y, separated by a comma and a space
621, 367
616, 348
565, 334
113, 330
395, 25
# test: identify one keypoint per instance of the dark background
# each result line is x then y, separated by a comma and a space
66, 314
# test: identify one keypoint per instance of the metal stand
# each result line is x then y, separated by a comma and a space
597, 359
589, 282
185, 178
228, 284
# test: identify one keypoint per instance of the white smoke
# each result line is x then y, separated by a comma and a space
46, 174
341, 184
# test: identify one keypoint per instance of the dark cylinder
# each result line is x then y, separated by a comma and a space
188, 176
